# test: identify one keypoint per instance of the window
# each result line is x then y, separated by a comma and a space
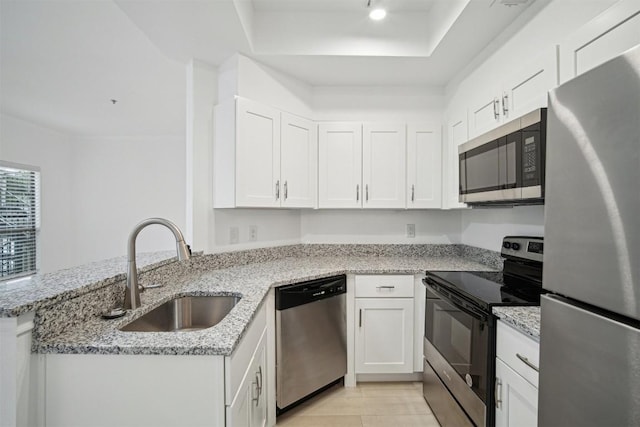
19, 219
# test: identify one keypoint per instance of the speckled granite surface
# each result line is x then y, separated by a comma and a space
252, 282
68, 303
525, 319
21, 296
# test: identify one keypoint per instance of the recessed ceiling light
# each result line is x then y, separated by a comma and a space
377, 14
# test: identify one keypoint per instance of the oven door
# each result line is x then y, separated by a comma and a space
459, 347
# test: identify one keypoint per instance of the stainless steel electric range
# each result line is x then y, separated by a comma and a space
460, 330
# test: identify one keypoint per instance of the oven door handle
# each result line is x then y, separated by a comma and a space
473, 313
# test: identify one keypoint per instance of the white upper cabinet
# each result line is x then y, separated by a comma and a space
484, 109
298, 162
424, 166
263, 157
257, 155
513, 93
525, 89
457, 133
384, 165
340, 165
614, 31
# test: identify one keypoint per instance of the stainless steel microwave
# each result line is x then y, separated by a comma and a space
505, 165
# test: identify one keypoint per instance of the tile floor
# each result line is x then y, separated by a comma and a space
367, 405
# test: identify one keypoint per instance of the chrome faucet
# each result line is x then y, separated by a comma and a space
132, 291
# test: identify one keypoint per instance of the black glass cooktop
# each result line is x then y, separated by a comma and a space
489, 288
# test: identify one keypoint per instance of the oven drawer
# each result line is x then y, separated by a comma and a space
520, 352
387, 286
442, 404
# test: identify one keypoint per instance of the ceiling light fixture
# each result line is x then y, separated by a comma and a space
376, 14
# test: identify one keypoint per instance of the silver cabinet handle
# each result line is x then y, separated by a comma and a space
498, 393
527, 362
496, 108
413, 192
505, 104
366, 190
360, 318
385, 287
357, 192
277, 189
286, 191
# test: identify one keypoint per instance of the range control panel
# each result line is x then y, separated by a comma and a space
525, 247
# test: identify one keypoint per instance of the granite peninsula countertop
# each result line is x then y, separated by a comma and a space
251, 282
524, 319
28, 294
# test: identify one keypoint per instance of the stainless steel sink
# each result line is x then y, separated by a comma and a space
184, 314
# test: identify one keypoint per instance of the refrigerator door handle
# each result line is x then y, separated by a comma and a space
527, 362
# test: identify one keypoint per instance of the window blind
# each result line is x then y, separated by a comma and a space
19, 219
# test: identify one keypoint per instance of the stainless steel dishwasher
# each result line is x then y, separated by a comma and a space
311, 337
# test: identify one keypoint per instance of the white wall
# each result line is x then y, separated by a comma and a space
119, 181
275, 227
202, 94
28, 143
485, 228
377, 103
380, 226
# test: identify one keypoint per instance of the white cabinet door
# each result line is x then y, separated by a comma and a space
259, 398
424, 166
384, 165
526, 88
249, 407
298, 162
257, 155
456, 134
239, 414
484, 108
340, 165
516, 399
384, 335
614, 31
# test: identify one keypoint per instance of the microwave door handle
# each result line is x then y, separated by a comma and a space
472, 313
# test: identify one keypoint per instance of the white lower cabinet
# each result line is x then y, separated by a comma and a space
516, 389
161, 390
384, 309
249, 407
518, 398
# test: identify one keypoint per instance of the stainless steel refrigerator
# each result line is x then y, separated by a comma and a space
590, 325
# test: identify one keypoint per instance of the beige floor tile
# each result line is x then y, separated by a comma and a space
389, 405
333, 406
373, 404
387, 386
399, 421
320, 421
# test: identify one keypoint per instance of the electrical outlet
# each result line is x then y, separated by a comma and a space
411, 230
234, 235
253, 233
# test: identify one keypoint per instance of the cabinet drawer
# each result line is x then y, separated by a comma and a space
388, 286
516, 349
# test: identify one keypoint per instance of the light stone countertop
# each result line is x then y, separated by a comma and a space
524, 319
252, 282
28, 294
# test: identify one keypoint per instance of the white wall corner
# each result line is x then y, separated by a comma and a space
202, 95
